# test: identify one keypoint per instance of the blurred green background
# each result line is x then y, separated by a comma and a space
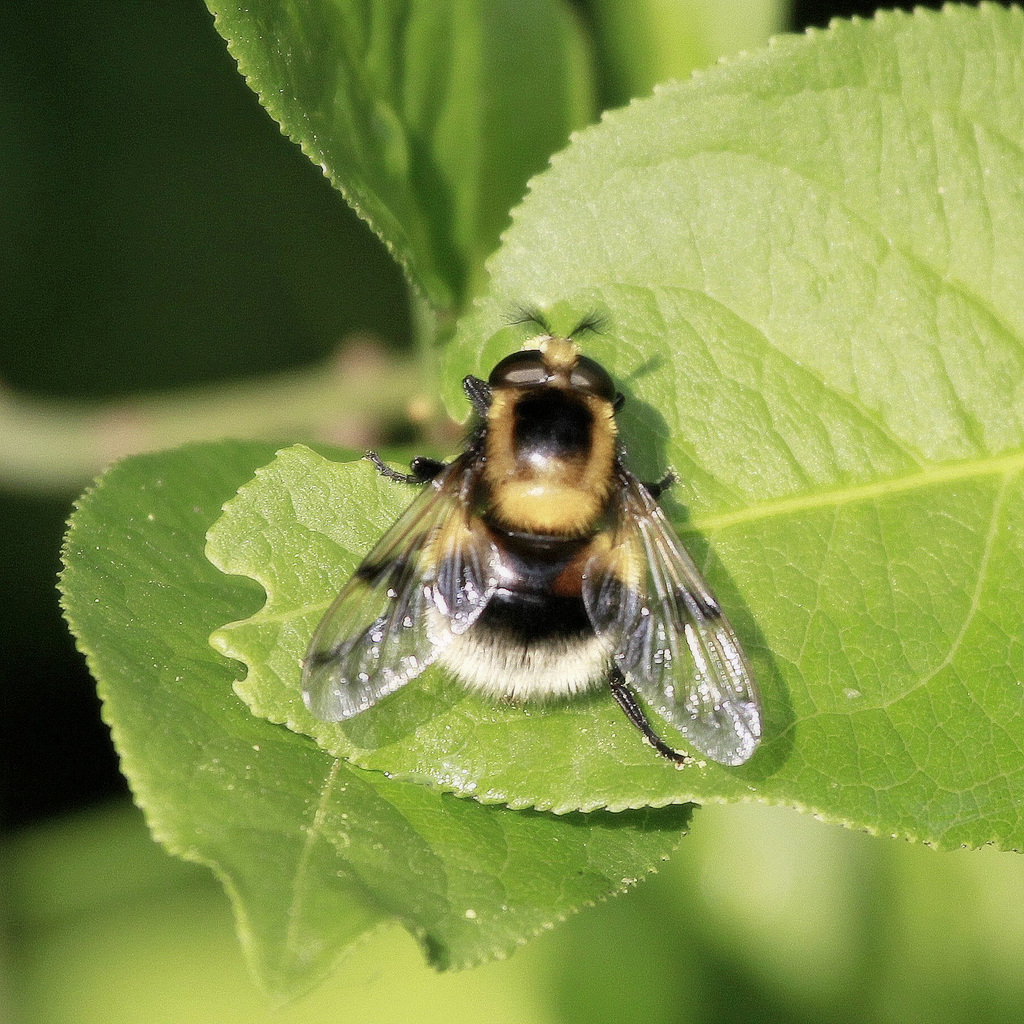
161, 236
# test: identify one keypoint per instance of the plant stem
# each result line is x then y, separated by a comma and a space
56, 446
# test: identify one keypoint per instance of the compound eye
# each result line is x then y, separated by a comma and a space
520, 370
593, 377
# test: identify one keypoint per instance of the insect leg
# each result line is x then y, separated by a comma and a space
478, 392
423, 469
627, 701
661, 486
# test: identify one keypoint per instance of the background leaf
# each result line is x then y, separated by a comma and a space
428, 117
312, 850
810, 258
761, 915
645, 42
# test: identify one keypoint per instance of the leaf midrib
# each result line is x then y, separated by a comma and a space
1005, 465
314, 833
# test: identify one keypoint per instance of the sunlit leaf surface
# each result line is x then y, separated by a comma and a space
429, 117
810, 259
312, 850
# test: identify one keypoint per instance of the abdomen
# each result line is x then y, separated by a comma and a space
534, 639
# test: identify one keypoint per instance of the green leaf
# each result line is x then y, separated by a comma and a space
299, 529
428, 117
312, 850
649, 41
811, 261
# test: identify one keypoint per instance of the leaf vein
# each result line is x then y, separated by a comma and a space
313, 833
972, 610
950, 472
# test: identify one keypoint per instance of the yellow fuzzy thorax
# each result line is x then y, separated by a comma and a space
560, 497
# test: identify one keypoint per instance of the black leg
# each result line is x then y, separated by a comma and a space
659, 488
627, 701
478, 392
423, 469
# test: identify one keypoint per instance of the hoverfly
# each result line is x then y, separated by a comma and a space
536, 565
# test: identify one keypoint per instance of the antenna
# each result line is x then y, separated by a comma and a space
592, 322
530, 315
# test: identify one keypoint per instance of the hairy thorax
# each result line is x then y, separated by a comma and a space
549, 459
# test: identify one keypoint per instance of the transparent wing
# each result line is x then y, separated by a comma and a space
646, 597
427, 580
